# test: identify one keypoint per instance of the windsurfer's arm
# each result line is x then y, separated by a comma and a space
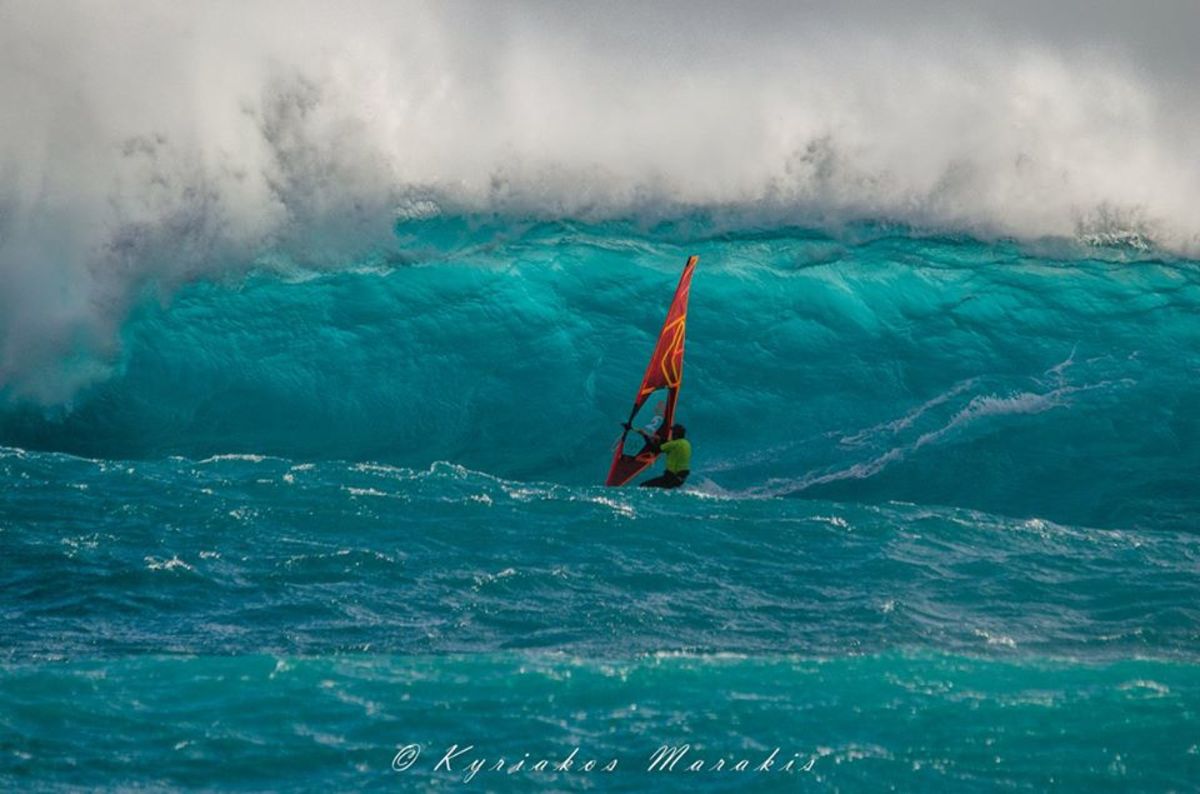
628, 426
652, 440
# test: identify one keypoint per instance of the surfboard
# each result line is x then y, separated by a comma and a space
663, 373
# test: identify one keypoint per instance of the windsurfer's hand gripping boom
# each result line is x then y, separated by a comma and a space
651, 438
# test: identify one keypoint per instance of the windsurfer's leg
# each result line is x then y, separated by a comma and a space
668, 479
676, 479
662, 481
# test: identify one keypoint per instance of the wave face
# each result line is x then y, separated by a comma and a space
870, 368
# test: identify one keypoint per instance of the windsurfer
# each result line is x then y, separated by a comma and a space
679, 457
663, 374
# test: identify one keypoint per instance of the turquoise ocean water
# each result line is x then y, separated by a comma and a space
317, 527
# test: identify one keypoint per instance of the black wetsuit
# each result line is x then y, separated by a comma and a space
668, 479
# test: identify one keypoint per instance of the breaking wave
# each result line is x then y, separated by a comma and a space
210, 140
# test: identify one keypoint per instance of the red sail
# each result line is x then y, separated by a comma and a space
665, 371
